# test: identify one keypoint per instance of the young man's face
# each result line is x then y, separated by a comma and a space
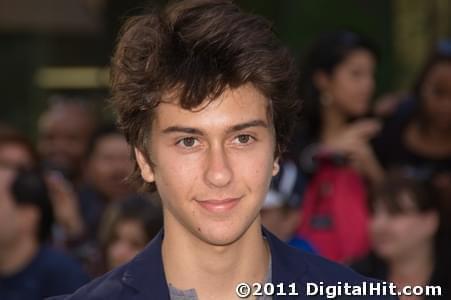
213, 165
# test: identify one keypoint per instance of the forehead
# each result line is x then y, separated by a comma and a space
111, 143
65, 118
15, 154
359, 57
237, 105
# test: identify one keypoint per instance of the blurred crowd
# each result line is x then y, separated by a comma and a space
366, 182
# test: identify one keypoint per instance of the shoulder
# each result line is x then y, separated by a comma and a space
58, 263
141, 278
58, 273
109, 286
54, 258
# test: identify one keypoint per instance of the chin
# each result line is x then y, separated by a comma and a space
221, 234
385, 252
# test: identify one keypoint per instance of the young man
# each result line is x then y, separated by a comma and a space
205, 95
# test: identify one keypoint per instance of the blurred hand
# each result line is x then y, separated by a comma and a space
387, 104
355, 136
65, 204
354, 144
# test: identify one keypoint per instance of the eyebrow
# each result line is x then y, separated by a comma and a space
234, 128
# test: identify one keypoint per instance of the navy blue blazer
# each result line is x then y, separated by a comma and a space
144, 278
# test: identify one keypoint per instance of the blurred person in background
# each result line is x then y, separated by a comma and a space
410, 235
29, 268
280, 210
16, 150
64, 132
127, 227
337, 82
107, 166
417, 137
332, 144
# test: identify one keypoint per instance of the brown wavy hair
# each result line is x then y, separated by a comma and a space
198, 48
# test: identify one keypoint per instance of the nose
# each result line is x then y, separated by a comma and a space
218, 172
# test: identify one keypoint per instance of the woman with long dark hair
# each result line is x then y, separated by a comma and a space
337, 82
417, 137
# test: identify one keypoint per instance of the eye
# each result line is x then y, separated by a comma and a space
243, 139
187, 142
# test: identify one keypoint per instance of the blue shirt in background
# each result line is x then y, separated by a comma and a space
50, 273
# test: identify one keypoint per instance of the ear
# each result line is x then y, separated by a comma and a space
321, 81
276, 167
146, 170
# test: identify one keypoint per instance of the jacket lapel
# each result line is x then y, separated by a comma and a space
288, 267
145, 273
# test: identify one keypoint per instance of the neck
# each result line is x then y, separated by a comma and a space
333, 122
414, 268
214, 271
17, 255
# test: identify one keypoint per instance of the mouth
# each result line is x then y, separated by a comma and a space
219, 205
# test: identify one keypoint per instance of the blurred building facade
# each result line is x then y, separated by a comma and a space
52, 46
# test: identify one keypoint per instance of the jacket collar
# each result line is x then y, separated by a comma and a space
145, 272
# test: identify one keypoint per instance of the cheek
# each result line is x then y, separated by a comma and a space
431, 104
399, 231
418, 230
75, 148
387, 232
7, 218
176, 176
99, 171
254, 168
403, 227
170, 167
438, 107
350, 96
